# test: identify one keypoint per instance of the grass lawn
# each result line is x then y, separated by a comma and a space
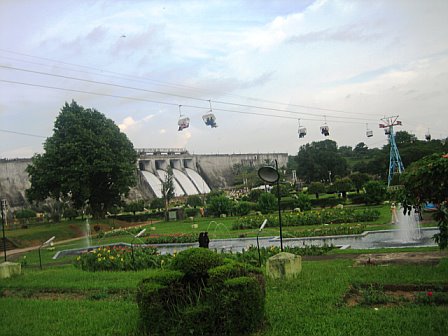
103, 303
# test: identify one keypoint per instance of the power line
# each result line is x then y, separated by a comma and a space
175, 95
22, 133
183, 86
175, 104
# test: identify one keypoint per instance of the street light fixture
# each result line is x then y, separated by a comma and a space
44, 244
138, 235
258, 244
271, 175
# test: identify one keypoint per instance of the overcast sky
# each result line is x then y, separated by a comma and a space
263, 65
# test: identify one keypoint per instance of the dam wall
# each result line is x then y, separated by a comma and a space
194, 174
14, 181
217, 169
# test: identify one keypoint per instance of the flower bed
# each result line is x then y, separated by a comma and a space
328, 216
118, 258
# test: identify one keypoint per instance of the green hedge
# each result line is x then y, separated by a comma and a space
140, 217
204, 294
326, 202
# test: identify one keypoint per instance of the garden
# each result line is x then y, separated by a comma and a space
329, 297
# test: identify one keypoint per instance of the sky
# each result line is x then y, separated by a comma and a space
263, 67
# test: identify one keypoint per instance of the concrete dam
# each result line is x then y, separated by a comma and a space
192, 173
196, 173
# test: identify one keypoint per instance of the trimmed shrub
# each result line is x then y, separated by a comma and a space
326, 202
196, 262
156, 298
231, 302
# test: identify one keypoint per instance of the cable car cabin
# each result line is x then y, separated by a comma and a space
325, 130
301, 132
210, 120
369, 133
387, 131
428, 137
183, 123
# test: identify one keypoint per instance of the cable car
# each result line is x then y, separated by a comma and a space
325, 130
428, 136
301, 132
369, 133
210, 119
184, 122
387, 131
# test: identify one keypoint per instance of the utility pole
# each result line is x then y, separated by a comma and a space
3, 209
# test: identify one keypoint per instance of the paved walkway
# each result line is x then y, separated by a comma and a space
32, 248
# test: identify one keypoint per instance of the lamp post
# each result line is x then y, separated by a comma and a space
258, 244
132, 246
3, 209
271, 175
44, 244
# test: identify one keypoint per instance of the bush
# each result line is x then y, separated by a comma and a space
196, 262
327, 202
176, 303
24, 215
267, 202
219, 205
375, 192
191, 212
357, 198
243, 208
70, 213
194, 201
300, 200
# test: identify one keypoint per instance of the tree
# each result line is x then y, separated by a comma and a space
375, 192
359, 179
267, 203
403, 137
135, 206
157, 203
361, 149
316, 161
168, 190
343, 185
316, 188
220, 204
87, 160
426, 180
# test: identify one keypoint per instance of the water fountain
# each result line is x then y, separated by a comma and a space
88, 235
408, 226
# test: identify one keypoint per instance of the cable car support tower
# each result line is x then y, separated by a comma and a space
395, 163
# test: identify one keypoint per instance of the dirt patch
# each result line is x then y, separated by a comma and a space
54, 294
402, 258
376, 295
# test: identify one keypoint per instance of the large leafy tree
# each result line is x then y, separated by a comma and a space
316, 161
426, 180
87, 160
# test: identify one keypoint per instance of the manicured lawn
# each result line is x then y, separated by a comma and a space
311, 304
